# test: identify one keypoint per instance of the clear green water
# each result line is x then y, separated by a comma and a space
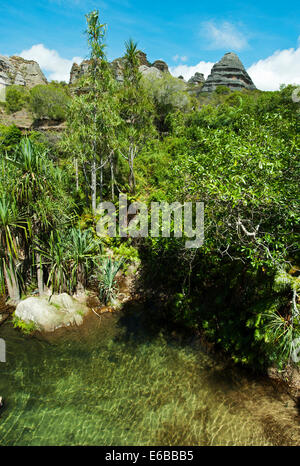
95, 386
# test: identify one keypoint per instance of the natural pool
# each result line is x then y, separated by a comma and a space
102, 384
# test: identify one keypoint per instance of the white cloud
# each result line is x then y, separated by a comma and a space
283, 67
55, 67
188, 71
223, 36
180, 58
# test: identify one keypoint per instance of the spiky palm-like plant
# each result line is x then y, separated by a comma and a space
11, 225
32, 164
83, 250
54, 256
40, 188
107, 279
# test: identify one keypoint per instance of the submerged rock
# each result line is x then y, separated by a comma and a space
49, 314
229, 72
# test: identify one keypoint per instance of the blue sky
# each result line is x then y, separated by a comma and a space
189, 36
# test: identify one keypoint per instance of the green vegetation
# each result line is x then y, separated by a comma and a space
17, 97
27, 328
238, 152
9, 137
49, 101
107, 279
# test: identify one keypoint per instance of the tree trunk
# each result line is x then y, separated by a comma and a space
11, 282
76, 174
132, 181
80, 286
112, 178
94, 184
101, 179
40, 274
131, 157
86, 186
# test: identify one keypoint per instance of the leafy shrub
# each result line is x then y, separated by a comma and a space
10, 136
49, 101
169, 95
17, 97
221, 90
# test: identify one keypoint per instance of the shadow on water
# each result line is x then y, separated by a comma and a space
130, 378
143, 322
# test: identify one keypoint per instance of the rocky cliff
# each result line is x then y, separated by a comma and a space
158, 68
229, 72
198, 78
17, 70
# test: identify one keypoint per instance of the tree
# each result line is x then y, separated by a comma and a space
93, 116
136, 110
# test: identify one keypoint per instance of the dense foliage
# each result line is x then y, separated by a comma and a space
156, 140
49, 101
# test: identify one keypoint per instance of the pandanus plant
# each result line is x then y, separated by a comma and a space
12, 224
83, 250
32, 165
40, 189
69, 258
107, 279
53, 256
31, 184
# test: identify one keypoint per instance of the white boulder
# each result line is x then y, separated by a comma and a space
51, 313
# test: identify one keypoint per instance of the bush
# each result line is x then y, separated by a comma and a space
221, 90
49, 101
10, 136
17, 97
169, 95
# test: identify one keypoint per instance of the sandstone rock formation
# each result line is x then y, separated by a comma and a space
157, 68
229, 72
143, 58
150, 71
77, 71
17, 70
198, 78
161, 66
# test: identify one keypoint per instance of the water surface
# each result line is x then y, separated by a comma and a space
95, 385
